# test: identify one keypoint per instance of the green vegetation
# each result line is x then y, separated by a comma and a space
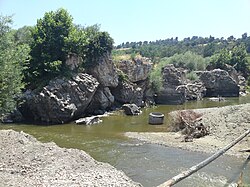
54, 37
188, 60
237, 57
13, 56
31, 56
192, 53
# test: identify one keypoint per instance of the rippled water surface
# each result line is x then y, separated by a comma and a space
145, 163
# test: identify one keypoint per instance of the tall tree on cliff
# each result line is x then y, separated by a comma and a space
54, 38
48, 49
12, 61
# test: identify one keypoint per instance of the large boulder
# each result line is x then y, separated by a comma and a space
102, 101
131, 109
104, 71
137, 69
172, 78
219, 82
61, 101
193, 91
128, 92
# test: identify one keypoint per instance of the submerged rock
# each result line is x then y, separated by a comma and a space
131, 109
88, 120
61, 101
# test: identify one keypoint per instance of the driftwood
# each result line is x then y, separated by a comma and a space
202, 164
189, 123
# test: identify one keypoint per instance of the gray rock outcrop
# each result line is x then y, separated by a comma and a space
127, 92
60, 101
193, 91
102, 101
88, 120
104, 71
137, 69
172, 78
219, 82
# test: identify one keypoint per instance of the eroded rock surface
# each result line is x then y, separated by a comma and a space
60, 101
219, 82
137, 69
104, 71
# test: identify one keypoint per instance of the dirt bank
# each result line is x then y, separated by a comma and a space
26, 162
226, 123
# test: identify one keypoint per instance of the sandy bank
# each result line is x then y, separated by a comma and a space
24, 161
226, 123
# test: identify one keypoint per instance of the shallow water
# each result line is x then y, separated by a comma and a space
145, 163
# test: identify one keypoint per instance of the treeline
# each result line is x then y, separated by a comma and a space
33, 55
194, 54
206, 47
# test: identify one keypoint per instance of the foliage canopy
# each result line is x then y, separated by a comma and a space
13, 57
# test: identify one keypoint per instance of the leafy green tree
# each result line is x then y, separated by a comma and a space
23, 35
221, 59
12, 63
239, 60
98, 43
49, 49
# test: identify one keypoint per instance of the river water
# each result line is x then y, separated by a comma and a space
148, 164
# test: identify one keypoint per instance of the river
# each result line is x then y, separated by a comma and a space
145, 163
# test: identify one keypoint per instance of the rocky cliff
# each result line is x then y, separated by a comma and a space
60, 101
137, 69
219, 82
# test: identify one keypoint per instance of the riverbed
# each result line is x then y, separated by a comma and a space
145, 163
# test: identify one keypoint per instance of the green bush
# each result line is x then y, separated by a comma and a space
187, 60
192, 76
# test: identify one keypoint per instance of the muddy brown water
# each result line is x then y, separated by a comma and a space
145, 163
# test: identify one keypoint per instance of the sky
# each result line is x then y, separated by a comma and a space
142, 20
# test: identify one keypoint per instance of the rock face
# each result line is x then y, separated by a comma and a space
218, 82
242, 84
127, 92
104, 71
137, 69
102, 101
60, 101
172, 78
73, 61
193, 91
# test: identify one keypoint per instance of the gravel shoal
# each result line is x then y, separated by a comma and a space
226, 124
24, 161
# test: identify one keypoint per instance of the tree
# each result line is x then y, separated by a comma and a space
239, 60
23, 35
221, 59
49, 49
12, 62
98, 44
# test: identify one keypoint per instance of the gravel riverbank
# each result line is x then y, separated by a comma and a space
24, 161
226, 124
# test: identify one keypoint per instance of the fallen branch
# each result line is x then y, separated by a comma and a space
202, 164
